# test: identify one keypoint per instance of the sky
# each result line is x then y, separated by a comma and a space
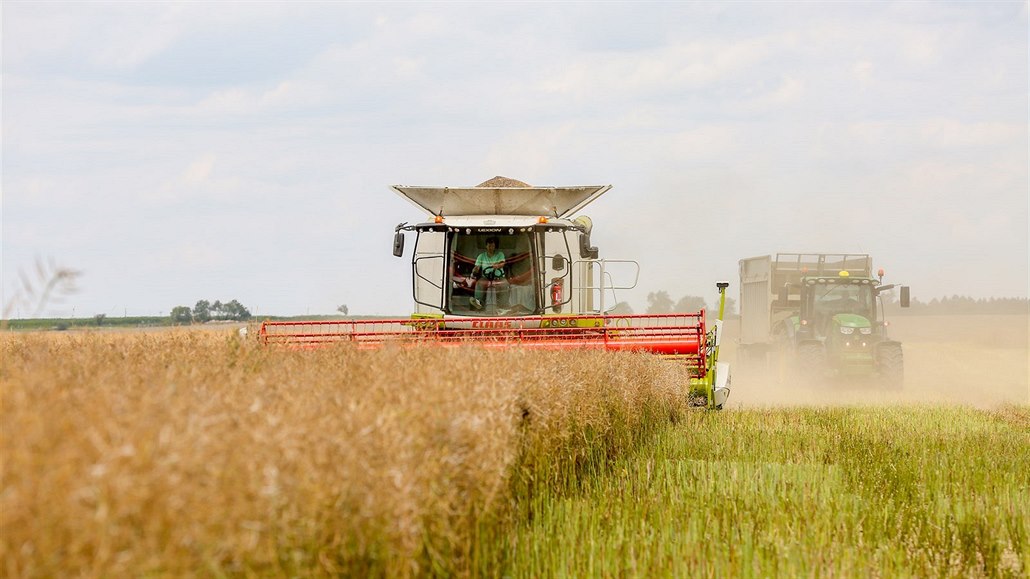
173, 152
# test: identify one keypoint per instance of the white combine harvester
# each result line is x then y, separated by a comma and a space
509, 267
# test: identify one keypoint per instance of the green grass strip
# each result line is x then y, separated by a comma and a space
901, 492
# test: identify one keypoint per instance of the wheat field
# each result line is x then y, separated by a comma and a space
186, 453
199, 453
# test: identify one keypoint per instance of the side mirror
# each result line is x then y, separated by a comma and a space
782, 295
558, 262
398, 244
585, 250
904, 296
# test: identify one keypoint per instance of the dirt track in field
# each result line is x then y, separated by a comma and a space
980, 361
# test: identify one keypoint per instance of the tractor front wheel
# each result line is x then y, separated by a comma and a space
811, 363
891, 364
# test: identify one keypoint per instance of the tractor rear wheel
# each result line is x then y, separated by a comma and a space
891, 364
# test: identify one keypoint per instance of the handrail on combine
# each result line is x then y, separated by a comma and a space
605, 275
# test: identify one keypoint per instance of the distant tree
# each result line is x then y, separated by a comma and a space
202, 311
731, 307
730, 312
234, 310
342, 309
206, 311
659, 303
622, 309
99, 319
181, 315
690, 304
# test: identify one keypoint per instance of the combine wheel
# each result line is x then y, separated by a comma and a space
891, 365
697, 400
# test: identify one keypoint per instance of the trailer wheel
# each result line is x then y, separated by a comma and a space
811, 363
753, 357
891, 363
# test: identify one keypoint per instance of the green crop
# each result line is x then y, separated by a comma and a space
909, 491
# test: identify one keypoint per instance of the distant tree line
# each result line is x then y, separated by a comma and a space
661, 303
205, 311
956, 305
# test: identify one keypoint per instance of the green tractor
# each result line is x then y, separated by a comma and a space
824, 311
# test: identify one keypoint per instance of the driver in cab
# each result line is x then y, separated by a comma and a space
489, 268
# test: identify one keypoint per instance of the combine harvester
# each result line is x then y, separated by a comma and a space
501, 266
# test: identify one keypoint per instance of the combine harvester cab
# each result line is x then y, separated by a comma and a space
502, 267
821, 313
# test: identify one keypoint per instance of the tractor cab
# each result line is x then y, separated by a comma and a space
503, 251
843, 299
839, 317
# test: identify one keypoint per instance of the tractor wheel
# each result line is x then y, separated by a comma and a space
744, 356
891, 364
811, 363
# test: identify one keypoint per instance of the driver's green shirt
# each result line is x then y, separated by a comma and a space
485, 261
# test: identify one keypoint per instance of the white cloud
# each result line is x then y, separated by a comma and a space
663, 70
189, 256
953, 134
873, 132
921, 46
125, 45
530, 152
788, 91
863, 71
115, 37
237, 101
199, 171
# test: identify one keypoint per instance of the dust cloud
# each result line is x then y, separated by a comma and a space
974, 360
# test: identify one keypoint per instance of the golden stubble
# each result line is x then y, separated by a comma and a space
199, 453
